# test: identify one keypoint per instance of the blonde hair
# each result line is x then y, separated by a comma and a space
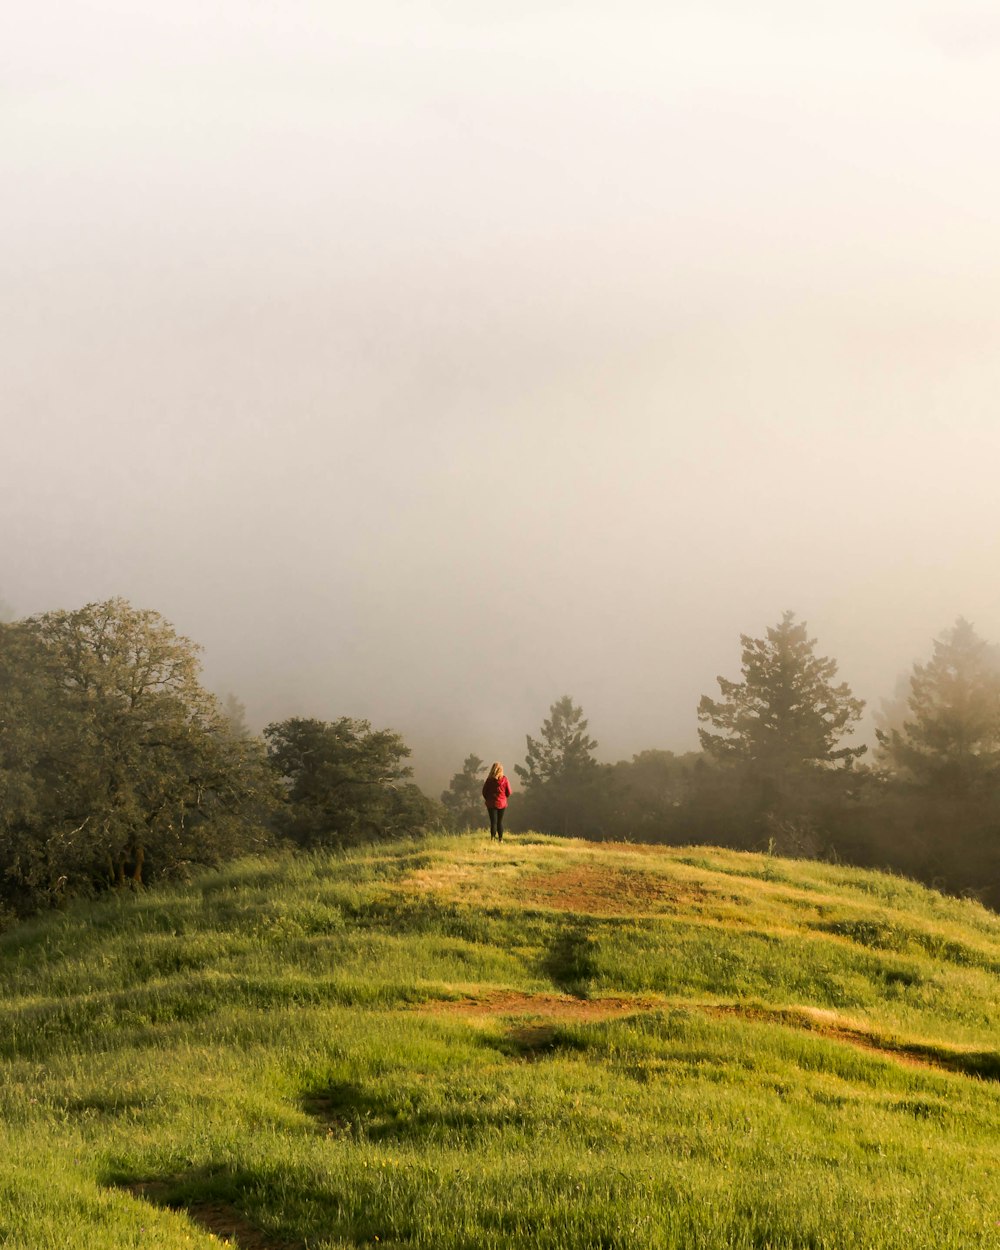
496, 770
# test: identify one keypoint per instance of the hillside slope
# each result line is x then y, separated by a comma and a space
548, 1043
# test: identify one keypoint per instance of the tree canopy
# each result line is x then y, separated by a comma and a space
563, 752
950, 738
115, 761
343, 781
559, 774
786, 713
463, 800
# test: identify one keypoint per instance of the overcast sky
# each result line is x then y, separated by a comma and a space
426, 362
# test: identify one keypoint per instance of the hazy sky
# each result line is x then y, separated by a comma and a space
426, 362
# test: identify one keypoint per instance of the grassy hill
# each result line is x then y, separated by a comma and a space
545, 1043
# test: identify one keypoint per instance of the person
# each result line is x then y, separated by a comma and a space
496, 792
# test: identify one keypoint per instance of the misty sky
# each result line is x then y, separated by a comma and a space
426, 362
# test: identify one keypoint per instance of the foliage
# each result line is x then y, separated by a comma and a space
648, 797
560, 776
935, 812
563, 753
344, 782
463, 800
785, 714
320, 1051
235, 713
115, 762
951, 739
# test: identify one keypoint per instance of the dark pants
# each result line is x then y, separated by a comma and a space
496, 822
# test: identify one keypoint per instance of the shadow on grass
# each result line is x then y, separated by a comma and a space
569, 961
215, 1201
347, 1109
537, 1040
344, 1107
984, 1064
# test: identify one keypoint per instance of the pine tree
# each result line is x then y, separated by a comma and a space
951, 738
234, 713
463, 800
563, 753
560, 775
786, 714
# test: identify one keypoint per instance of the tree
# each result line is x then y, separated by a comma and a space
560, 775
344, 782
950, 741
463, 800
564, 753
123, 761
644, 797
235, 714
786, 714
35, 739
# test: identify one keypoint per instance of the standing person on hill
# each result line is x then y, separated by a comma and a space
496, 792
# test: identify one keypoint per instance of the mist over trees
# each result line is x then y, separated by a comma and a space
117, 767
785, 716
777, 736
777, 770
463, 800
559, 774
950, 742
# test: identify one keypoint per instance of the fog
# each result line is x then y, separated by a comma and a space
428, 362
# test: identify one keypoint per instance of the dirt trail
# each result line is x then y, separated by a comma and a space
813, 1021
551, 1006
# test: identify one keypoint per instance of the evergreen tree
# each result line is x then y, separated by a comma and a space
786, 714
463, 800
560, 776
235, 714
344, 782
950, 741
563, 753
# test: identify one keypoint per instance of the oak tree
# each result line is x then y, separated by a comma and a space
125, 766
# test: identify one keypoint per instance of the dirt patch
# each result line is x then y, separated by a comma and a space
221, 1219
820, 1023
609, 891
550, 1006
984, 1065
445, 877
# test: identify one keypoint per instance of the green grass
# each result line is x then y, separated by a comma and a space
549, 1043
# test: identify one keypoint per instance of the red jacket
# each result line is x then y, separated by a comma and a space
496, 791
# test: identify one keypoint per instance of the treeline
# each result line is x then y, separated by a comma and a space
117, 767
776, 771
